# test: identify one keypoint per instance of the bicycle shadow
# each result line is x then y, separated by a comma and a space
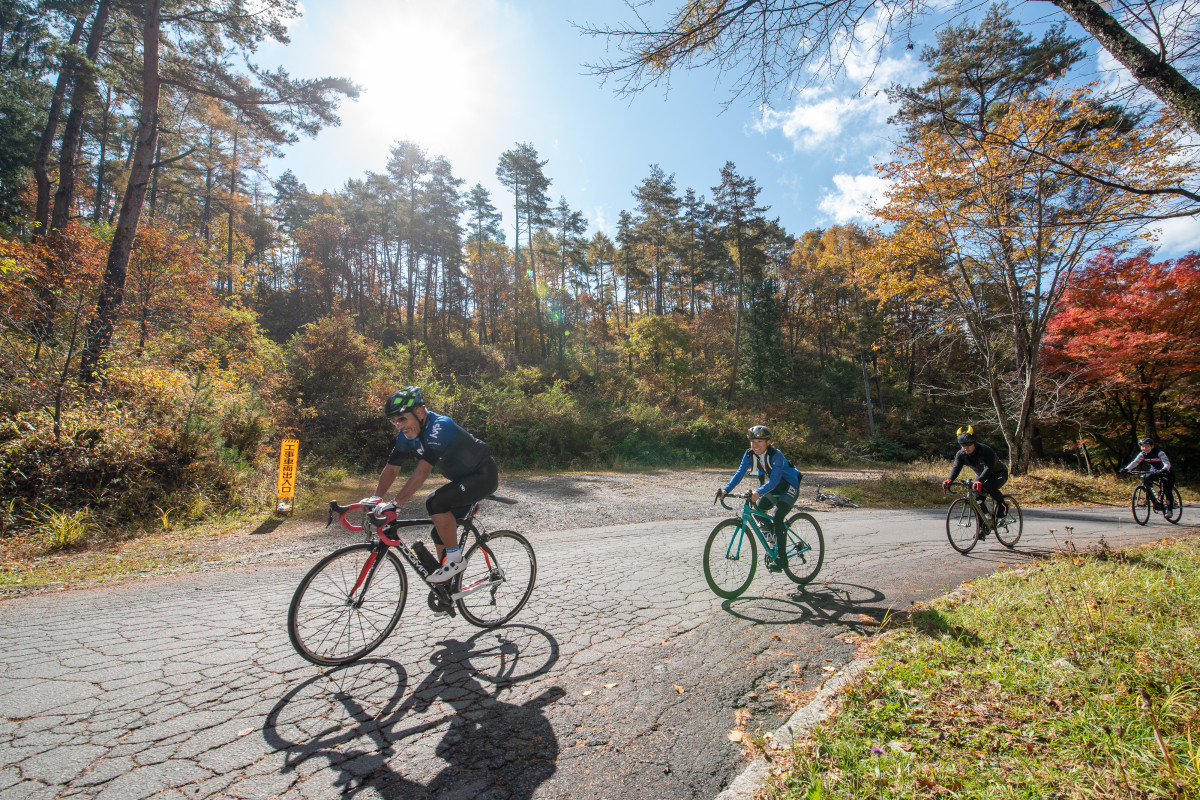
359, 720
853, 606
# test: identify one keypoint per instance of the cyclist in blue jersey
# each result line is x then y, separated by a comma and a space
1157, 466
990, 472
778, 480
438, 441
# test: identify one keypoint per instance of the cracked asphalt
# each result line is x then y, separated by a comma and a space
620, 678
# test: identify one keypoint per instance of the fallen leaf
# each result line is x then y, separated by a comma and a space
789, 655
827, 668
589, 691
736, 736
775, 639
797, 669
679, 688
246, 732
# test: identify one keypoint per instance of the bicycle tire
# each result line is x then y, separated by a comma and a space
726, 568
503, 556
327, 625
1139, 503
804, 552
1005, 532
962, 526
1176, 508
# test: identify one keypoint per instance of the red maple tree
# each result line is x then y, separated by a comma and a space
1131, 326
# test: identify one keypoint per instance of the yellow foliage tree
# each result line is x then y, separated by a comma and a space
992, 223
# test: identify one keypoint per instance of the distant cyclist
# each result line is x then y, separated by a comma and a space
438, 442
990, 471
1158, 466
778, 480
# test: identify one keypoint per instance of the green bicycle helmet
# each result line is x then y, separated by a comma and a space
405, 399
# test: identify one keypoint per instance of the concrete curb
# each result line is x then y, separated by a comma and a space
816, 711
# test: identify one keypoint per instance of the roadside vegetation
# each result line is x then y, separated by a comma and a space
1075, 677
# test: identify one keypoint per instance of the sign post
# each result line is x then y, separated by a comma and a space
285, 492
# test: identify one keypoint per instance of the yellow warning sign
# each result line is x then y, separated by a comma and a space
289, 451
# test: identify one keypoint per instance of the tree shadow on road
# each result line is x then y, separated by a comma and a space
359, 720
858, 608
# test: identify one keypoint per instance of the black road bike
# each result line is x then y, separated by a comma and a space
973, 516
1144, 500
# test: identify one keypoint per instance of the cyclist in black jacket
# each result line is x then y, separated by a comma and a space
990, 471
1157, 466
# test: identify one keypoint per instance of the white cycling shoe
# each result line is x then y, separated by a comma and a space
448, 570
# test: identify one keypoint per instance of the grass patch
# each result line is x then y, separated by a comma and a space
1076, 678
919, 485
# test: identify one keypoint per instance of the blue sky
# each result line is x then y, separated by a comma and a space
467, 79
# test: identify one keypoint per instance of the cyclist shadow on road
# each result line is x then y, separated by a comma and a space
358, 719
857, 608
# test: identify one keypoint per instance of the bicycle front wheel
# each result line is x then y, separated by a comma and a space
497, 580
805, 549
730, 558
1140, 505
1176, 507
1009, 527
347, 604
961, 526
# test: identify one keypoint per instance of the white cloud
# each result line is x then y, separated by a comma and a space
819, 118
598, 220
1178, 237
853, 197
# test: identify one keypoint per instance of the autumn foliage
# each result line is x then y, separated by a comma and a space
1131, 327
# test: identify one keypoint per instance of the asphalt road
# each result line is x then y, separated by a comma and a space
620, 679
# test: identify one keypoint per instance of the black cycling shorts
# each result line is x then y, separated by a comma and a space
458, 496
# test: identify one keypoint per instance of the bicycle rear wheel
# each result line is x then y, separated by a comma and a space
347, 604
804, 551
1176, 507
497, 580
962, 526
1009, 527
1140, 505
730, 558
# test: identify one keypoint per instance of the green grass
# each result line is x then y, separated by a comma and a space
919, 485
1075, 678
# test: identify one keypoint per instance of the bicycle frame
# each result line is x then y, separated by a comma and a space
751, 516
382, 529
985, 519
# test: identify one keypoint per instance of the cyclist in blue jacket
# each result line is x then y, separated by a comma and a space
778, 480
1157, 466
439, 442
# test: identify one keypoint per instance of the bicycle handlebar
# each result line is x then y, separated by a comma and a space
745, 499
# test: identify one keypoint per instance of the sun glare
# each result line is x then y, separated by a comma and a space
425, 75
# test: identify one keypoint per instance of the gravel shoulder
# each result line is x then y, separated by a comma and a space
546, 503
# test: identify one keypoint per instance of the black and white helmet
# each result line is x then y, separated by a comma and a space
759, 432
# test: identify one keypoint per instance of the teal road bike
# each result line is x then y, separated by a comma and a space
731, 552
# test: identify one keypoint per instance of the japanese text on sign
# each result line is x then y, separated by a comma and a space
288, 452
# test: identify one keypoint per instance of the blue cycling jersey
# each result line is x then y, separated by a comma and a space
772, 468
445, 444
